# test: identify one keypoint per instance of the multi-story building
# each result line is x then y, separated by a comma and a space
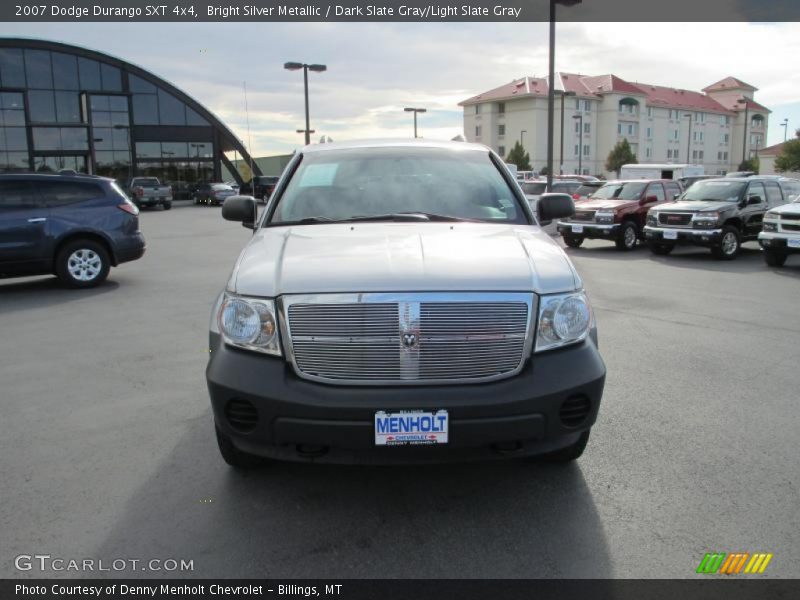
717, 128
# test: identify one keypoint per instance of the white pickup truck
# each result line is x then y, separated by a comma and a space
399, 302
780, 233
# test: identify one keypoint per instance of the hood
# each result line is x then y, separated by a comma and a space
387, 257
790, 210
601, 204
696, 206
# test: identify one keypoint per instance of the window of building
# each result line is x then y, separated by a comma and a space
648, 152
477, 109
501, 108
631, 128
757, 121
577, 150
676, 134
13, 139
669, 153
619, 128
12, 68
89, 72
577, 126
724, 156
501, 150
65, 71
477, 131
587, 128
649, 111
145, 109
675, 153
726, 137
111, 78
649, 133
60, 138
700, 154
724, 120
586, 150
38, 70
501, 130
171, 110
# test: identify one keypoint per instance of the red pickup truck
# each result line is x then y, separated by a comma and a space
617, 212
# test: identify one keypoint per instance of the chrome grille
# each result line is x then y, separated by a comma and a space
584, 215
675, 219
359, 339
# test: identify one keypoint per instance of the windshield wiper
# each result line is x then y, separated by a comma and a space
406, 216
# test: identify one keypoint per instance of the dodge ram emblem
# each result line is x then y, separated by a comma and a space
409, 340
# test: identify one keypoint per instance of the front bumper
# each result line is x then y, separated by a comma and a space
589, 230
697, 237
779, 242
518, 416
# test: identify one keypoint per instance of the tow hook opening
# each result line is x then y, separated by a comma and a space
507, 447
311, 450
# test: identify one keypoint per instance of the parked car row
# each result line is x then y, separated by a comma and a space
717, 213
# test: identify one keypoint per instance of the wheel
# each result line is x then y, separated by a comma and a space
628, 236
233, 456
774, 259
729, 244
570, 453
660, 249
82, 264
573, 241
167, 205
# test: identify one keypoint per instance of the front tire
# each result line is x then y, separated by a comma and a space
167, 205
83, 264
628, 236
570, 453
660, 249
573, 241
729, 245
233, 456
774, 259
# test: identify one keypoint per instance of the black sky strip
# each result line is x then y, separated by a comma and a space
401, 10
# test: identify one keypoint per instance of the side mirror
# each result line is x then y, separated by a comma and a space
649, 199
676, 196
554, 206
242, 209
754, 199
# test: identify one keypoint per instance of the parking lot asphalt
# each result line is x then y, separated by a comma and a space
107, 447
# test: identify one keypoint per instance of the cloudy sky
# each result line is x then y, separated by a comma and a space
375, 69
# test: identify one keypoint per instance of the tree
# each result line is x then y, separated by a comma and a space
751, 164
620, 155
789, 157
519, 157
543, 170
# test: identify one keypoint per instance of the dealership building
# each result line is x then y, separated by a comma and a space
66, 107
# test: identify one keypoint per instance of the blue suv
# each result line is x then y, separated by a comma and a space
74, 226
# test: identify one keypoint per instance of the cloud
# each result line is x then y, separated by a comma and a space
375, 69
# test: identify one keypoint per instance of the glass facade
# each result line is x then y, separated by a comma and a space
62, 107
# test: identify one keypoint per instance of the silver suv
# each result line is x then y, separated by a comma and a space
398, 302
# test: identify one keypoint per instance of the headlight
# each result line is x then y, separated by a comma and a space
772, 215
652, 218
604, 217
249, 323
563, 319
706, 219
770, 226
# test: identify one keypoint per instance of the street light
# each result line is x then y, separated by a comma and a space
689, 140
296, 66
563, 93
551, 97
415, 111
785, 125
580, 142
746, 117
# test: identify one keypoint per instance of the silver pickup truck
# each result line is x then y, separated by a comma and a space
148, 191
399, 302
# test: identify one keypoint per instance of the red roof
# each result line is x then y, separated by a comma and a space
772, 150
595, 86
733, 104
730, 83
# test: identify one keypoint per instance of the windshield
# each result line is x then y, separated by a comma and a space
726, 191
146, 181
620, 191
340, 185
586, 190
534, 188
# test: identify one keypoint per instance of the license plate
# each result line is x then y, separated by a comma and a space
411, 428
670, 235
793, 243
577, 229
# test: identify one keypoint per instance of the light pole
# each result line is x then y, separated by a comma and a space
561, 144
295, 66
689, 140
551, 98
785, 125
746, 117
579, 117
415, 111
